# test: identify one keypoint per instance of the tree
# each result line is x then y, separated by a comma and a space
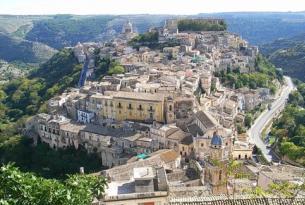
116, 69
296, 98
279, 190
248, 120
21, 188
233, 172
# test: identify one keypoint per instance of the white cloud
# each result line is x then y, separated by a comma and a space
145, 6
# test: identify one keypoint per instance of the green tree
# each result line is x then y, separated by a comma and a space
116, 69
21, 188
248, 120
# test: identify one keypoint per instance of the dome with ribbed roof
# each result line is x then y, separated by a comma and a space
216, 140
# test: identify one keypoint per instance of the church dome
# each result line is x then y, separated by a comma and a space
127, 27
216, 140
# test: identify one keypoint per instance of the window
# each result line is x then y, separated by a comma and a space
129, 106
220, 175
140, 107
202, 144
170, 107
119, 105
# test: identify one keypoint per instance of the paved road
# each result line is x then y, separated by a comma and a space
259, 124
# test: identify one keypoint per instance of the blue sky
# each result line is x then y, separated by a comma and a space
145, 6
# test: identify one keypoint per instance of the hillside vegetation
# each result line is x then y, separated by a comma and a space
66, 30
201, 25
26, 96
14, 70
263, 77
20, 188
16, 49
263, 27
288, 54
289, 129
11, 23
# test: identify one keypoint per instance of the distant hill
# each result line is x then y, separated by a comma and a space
17, 49
283, 43
263, 27
11, 23
59, 31
67, 30
288, 54
27, 94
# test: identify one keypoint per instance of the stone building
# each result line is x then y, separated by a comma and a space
215, 143
216, 176
146, 185
132, 106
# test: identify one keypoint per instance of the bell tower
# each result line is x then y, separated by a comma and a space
170, 113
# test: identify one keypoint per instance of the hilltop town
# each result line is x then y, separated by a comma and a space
167, 114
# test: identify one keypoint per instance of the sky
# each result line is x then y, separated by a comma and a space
145, 6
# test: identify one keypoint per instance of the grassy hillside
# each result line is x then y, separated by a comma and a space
11, 23
66, 30
16, 49
288, 54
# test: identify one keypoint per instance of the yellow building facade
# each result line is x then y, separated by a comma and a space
139, 106
132, 106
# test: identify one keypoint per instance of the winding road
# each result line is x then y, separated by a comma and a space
277, 106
